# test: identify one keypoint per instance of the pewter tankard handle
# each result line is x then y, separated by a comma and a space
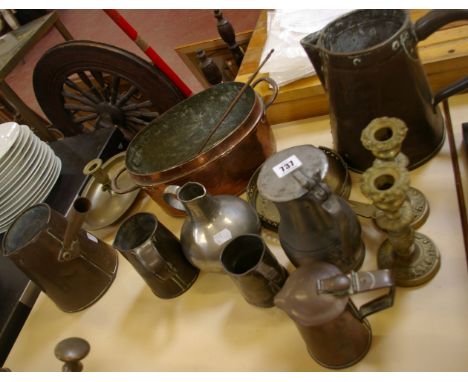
358, 282
429, 24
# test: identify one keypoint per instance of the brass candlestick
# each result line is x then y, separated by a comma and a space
412, 256
384, 137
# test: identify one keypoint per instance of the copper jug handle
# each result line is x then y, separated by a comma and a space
358, 282
429, 24
274, 87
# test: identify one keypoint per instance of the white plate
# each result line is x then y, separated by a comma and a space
9, 131
38, 197
21, 149
12, 196
28, 173
23, 169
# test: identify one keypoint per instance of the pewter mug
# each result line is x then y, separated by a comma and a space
254, 269
68, 264
316, 298
368, 63
211, 222
315, 224
156, 255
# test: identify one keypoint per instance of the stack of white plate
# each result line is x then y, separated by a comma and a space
29, 169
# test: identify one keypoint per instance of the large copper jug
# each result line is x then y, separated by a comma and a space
71, 266
368, 63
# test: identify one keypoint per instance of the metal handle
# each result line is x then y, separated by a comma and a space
358, 282
152, 261
436, 19
429, 24
450, 90
274, 86
170, 197
365, 210
116, 188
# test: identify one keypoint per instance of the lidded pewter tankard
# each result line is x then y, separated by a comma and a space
368, 64
315, 224
316, 298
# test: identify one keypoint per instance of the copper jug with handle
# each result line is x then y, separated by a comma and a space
368, 64
316, 297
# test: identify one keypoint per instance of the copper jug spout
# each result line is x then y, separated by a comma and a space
75, 219
310, 45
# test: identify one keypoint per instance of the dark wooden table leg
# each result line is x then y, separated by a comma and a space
34, 121
63, 31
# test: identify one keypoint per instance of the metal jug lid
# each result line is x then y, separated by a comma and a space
300, 297
280, 177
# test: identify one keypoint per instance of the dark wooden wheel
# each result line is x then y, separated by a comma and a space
84, 85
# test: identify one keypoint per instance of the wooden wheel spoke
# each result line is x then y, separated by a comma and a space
137, 120
86, 94
90, 85
78, 107
135, 106
146, 114
114, 90
127, 95
76, 97
85, 118
102, 83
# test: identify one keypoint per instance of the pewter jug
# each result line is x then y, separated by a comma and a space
71, 266
316, 298
156, 255
211, 222
315, 224
368, 63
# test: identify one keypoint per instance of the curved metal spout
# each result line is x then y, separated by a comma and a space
75, 218
310, 45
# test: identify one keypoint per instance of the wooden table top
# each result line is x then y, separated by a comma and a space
212, 328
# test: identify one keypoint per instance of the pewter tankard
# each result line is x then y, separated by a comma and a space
315, 224
156, 254
368, 63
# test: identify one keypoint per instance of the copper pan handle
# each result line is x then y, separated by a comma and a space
115, 188
274, 87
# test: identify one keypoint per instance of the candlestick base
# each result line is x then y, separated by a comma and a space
418, 269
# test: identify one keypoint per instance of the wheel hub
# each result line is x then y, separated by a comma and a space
112, 112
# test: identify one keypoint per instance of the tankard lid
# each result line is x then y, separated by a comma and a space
300, 297
284, 175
